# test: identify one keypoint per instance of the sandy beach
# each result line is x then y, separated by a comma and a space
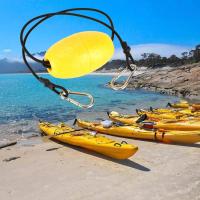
49, 170
141, 70
104, 72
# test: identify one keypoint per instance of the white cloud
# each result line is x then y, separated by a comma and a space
7, 50
161, 49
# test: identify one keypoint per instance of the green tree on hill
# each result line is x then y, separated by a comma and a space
173, 60
184, 55
154, 60
197, 53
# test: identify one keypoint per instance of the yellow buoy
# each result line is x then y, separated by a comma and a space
79, 54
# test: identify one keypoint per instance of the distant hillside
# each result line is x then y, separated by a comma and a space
7, 66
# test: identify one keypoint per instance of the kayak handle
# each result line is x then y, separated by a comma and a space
126, 82
66, 97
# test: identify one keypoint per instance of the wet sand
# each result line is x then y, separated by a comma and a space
49, 170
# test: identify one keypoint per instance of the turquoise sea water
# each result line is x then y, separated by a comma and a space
23, 98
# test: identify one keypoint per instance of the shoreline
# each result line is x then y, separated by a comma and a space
116, 73
181, 82
93, 73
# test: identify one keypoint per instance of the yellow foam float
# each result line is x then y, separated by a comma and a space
79, 54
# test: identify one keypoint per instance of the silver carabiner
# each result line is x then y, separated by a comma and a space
125, 84
90, 97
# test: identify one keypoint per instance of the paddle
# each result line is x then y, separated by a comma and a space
168, 105
141, 118
151, 109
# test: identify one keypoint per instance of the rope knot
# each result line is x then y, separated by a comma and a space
47, 83
126, 48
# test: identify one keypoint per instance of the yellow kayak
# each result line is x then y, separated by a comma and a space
161, 116
186, 112
181, 104
181, 125
132, 119
85, 139
138, 133
184, 115
196, 107
161, 110
145, 115
185, 104
125, 119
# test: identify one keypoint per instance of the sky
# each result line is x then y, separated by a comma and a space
164, 27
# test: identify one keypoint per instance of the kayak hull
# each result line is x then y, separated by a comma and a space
196, 107
83, 139
138, 133
124, 120
181, 126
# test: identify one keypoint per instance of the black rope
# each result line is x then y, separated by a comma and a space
41, 18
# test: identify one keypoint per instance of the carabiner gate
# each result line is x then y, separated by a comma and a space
126, 82
67, 98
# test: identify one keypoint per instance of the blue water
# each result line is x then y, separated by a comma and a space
22, 97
